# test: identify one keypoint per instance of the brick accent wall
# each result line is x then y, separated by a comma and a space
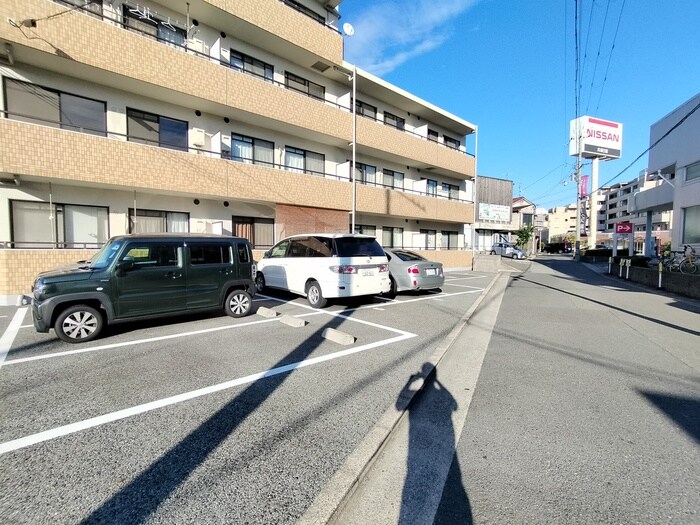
19, 268
292, 220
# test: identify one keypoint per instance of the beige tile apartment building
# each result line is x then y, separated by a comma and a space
231, 117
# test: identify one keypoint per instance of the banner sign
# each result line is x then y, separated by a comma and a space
494, 212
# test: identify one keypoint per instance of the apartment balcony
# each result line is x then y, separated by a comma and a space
104, 53
283, 23
35, 153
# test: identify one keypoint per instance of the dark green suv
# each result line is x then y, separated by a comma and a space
145, 276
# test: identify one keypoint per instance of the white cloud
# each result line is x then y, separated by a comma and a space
389, 33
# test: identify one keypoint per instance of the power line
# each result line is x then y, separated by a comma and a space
600, 45
619, 19
687, 115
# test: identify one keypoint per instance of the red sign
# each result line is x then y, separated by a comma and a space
623, 227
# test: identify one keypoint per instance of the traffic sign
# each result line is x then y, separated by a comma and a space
623, 227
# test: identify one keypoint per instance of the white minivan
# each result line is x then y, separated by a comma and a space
325, 265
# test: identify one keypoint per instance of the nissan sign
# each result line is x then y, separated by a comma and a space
594, 137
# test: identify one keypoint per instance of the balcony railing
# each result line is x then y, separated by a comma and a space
112, 135
186, 48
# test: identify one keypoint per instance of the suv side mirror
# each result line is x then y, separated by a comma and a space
126, 264
266, 255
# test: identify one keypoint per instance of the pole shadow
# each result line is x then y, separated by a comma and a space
137, 501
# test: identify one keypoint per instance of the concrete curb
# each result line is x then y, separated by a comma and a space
343, 483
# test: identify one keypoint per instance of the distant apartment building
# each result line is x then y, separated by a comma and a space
233, 118
561, 222
618, 206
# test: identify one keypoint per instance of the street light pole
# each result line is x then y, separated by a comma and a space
354, 144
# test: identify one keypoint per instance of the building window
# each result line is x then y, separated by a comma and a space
431, 187
451, 190
392, 237
259, 232
148, 128
366, 229
428, 237
142, 20
251, 65
302, 161
156, 221
432, 135
394, 121
366, 110
365, 174
42, 225
304, 86
449, 240
691, 225
251, 150
450, 142
692, 171
30, 103
393, 179
527, 219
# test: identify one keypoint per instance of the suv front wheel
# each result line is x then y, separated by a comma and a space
238, 303
79, 324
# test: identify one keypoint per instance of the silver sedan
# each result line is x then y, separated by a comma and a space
410, 271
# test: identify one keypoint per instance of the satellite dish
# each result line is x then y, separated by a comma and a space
348, 29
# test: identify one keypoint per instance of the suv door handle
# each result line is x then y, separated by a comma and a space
173, 275
227, 271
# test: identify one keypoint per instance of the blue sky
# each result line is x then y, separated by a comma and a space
509, 67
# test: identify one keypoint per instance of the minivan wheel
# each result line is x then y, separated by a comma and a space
238, 303
259, 282
314, 295
78, 324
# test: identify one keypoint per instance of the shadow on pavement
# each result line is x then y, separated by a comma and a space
612, 307
138, 500
683, 411
431, 444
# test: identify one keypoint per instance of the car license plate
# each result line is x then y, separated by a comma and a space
367, 272
430, 271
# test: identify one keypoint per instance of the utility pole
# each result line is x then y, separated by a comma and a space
577, 249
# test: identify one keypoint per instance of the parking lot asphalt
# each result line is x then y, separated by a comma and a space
206, 418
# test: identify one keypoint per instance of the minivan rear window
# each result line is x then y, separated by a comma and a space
358, 246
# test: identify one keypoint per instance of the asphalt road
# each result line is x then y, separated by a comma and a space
585, 410
207, 419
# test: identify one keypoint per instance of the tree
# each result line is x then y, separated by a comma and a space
524, 235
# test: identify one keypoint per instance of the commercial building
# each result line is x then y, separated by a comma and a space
235, 118
674, 170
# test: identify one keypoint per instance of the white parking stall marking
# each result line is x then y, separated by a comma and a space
65, 430
10, 333
471, 278
467, 286
129, 343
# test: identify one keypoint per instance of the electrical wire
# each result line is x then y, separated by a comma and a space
595, 65
607, 68
687, 115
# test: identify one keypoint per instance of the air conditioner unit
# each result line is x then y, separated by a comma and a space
198, 137
198, 45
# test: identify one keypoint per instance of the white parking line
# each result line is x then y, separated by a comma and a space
9, 336
64, 430
128, 343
